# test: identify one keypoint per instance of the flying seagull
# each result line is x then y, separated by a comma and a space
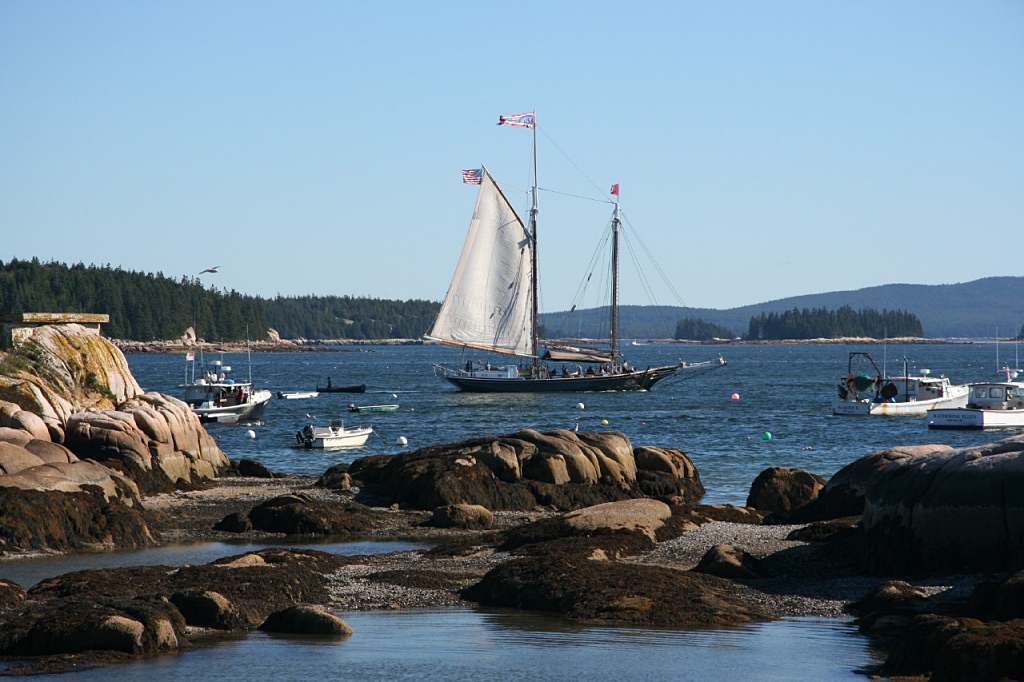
213, 269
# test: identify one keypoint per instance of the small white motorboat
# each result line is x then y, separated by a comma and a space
865, 391
334, 435
992, 405
295, 395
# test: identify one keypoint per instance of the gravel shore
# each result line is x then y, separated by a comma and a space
804, 583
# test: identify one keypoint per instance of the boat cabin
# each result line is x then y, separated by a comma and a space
908, 389
997, 396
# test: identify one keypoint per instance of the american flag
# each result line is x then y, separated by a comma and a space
473, 176
524, 120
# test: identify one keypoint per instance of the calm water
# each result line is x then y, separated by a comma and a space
783, 390
462, 645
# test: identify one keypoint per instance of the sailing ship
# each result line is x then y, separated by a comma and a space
491, 305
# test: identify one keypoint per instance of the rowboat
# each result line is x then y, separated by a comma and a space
358, 388
295, 395
372, 408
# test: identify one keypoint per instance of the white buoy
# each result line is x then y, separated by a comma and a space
394, 395
250, 433
401, 441
579, 406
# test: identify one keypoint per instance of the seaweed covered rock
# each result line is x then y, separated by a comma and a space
145, 609
958, 510
580, 588
297, 514
780, 491
560, 469
467, 516
306, 620
36, 519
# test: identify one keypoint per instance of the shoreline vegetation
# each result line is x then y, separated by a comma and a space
357, 345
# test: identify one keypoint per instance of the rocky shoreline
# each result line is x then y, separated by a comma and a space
189, 516
278, 345
924, 545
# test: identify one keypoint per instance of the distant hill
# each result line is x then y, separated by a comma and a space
968, 310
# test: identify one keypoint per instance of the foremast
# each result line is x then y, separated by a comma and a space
615, 285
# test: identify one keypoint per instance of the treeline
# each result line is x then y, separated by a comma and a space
821, 323
344, 317
146, 307
692, 329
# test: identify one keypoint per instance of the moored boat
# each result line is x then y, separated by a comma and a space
865, 391
372, 408
297, 395
331, 388
334, 435
217, 399
991, 405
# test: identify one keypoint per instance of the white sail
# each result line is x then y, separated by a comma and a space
488, 304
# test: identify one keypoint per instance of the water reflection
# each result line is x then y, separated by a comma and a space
452, 645
27, 571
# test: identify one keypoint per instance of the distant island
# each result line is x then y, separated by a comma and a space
152, 308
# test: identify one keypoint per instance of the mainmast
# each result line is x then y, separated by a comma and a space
535, 322
615, 283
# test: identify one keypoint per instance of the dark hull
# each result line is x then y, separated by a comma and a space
632, 381
361, 388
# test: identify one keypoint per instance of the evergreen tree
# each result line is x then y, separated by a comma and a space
821, 323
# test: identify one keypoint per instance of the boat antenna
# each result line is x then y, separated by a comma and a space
906, 380
885, 351
248, 352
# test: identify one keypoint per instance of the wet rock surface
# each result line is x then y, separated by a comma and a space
560, 469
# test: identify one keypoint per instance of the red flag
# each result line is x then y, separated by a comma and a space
615, 189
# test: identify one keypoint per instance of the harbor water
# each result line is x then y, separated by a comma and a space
783, 390
769, 406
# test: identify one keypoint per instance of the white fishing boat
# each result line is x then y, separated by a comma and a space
492, 306
866, 391
334, 435
215, 398
991, 405
297, 395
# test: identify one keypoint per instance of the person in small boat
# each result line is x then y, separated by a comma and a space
328, 383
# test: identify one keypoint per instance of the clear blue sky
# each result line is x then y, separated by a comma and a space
764, 149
